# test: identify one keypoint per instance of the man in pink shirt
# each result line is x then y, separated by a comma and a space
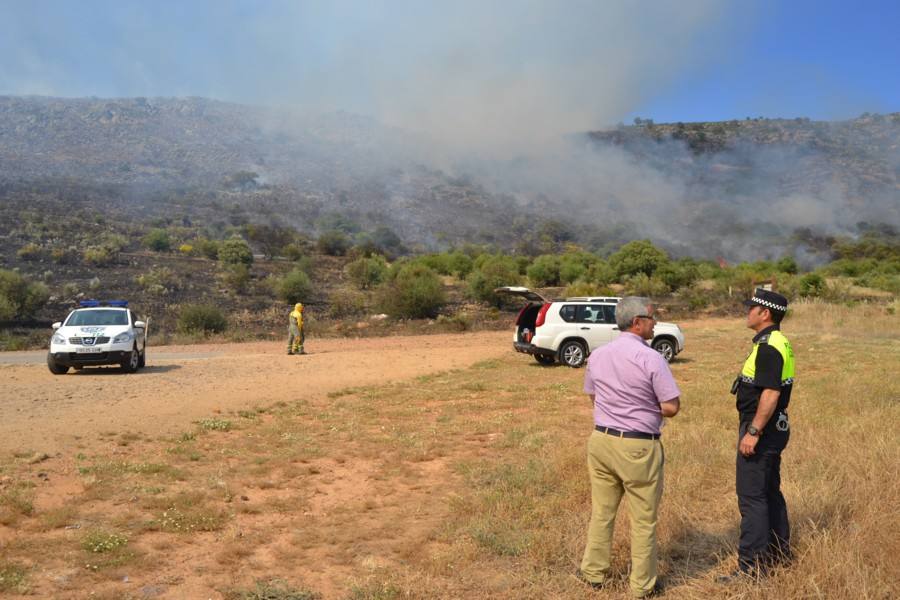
632, 390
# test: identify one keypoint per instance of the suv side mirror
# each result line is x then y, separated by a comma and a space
57, 325
140, 324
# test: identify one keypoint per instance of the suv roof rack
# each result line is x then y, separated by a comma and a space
96, 303
593, 299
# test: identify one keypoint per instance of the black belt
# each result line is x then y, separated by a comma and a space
627, 434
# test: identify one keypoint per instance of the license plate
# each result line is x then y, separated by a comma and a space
89, 350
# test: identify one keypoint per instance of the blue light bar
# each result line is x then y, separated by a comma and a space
119, 303
89, 303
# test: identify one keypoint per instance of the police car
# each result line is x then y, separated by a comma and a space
569, 330
98, 333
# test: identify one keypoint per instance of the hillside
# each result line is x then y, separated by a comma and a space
695, 180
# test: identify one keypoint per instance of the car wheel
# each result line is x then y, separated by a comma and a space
544, 359
55, 367
572, 354
132, 361
666, 347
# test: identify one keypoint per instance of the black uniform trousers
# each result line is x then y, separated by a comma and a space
765, 531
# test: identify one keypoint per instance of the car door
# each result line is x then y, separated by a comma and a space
597, 324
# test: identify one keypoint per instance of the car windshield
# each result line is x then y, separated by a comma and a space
97, 317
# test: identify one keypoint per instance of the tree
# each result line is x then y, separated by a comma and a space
415, 291
638, 256
294, 287
271, 239
544, 270
235, 251
492, 272
201, 318
157, 240
367, 272
333, 243
20, 297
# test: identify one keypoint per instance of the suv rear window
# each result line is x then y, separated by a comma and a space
588, 313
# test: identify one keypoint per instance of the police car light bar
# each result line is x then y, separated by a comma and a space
96, 303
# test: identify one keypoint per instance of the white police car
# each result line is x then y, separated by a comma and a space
98, 333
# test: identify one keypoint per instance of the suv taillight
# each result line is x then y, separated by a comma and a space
542, 314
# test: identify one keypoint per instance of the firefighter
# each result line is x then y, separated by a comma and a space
295, 330
763, 391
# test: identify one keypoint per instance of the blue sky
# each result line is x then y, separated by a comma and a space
467, 68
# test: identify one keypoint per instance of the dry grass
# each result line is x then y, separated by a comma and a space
473, 484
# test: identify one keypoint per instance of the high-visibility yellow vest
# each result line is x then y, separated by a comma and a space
776, 340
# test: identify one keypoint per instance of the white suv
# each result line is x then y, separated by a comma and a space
99, 333
569, 330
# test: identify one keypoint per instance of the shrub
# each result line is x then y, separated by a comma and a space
186, 249
544, 270
292, 251
235, 251
366, 273
574, 265
236, 277
64, 256
642, 285
415, 291
158, 281
787, 265
638, 256
293, 287
157, 240
494, 271
812, 284
346, 303
20, 297
30, 251
201, 318
600, 273
207, 248
98, 256
678, 274
333, 243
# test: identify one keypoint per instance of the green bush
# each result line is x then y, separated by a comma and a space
236, 277
544, 270
98, 256
638, 256
334, 243
20, 297
812, 284
294, 287
642, 285
367, 273
678, 274
600, 273
158, 281
493, 271
787, 265
575, 265
208, 248
201, 318
415, 291
235, 251
157, 240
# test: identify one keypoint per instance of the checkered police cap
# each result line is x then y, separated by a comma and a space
767, 299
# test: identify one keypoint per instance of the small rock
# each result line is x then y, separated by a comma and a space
245, 498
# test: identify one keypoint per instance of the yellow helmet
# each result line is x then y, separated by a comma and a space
298, 307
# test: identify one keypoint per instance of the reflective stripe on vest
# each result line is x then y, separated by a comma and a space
777, 340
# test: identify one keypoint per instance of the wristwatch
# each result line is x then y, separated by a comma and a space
752, 430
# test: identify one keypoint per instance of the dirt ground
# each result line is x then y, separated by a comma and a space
45, 413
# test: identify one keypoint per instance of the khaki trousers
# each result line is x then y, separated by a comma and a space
634, 468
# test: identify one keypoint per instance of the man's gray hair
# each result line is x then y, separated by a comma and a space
630, 307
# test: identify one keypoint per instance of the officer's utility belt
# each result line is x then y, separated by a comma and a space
738, 381
627, 434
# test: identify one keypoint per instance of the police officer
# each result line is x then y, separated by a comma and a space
763, 391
